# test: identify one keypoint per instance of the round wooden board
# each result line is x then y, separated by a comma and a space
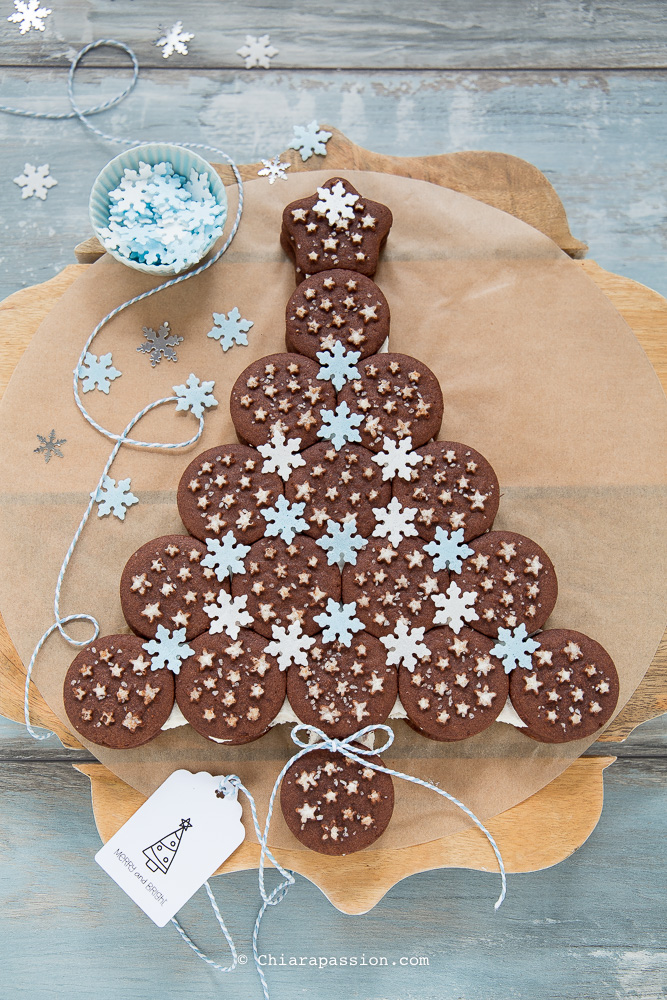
356, 883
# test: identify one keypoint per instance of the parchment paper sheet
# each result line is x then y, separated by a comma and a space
538, 371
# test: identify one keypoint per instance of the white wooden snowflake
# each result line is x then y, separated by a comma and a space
225, 555
114, 498
455, 607
230, 329
339, 622
448, 551
195, 395
257, 51
336, 203
338, 365
281, 456
289, 645
514, 648
395, 521
405, 646
274, 170
175, 40
310, 139
340, 425
168, 649
97, 372
397, 458
29, 15
228, 614
285, 519
35, 181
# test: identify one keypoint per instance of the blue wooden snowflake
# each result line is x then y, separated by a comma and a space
50, 446
310, 139
339, 622
225, 555
341, 542
338, 365
97, 373
113, 498
285, 519
168, 649
340, 425
195, 395
514, 648
231, 329
448, 551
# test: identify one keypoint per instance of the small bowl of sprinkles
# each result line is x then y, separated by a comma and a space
158, 208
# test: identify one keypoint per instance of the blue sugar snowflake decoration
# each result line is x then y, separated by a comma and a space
285, 519
340, 425
50, 446
339, 622
168, 649
514, 648
225, 555
341, 542
113, 498
337, 365
310, 139
230, 329
448, 551
195, 395
97, 373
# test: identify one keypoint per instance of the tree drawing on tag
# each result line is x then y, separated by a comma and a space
160, 855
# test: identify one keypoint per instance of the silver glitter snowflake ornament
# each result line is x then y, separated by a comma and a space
160, 344
274, 170
50, 446
174, 40
29, 14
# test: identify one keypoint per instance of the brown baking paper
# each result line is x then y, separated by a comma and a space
538, 372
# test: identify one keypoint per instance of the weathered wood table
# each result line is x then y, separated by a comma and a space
579, 92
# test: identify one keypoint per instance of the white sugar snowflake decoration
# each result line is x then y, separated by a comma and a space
514, 648
97, 373
225, 555
455, 607
174, 40
257, 51
29, 15
35, 181
168, 649
405, 646
340, 425
310, 139
113, 498
338, 365
289, 645
228, 614
397, 458
274, 170
281, 456
339, 622
336, 203
395, 521
448, 551
285, 519
195, 395
341, 542
230, 329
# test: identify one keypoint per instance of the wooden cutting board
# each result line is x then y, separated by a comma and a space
548, 826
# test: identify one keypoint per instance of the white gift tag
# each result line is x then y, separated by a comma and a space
173, 843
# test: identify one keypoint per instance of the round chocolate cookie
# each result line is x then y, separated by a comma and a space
113, 698
341, 689
335, 227
230, 690
393, 583
514, 580
453, 487
571, 691
224, 489
334, 805
338, 485
456, 691
398, 397
163, 583
336, 307
280, 392
287, 583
